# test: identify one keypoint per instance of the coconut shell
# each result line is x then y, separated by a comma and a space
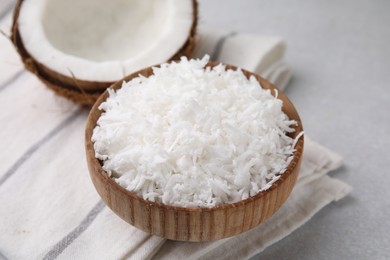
81, 91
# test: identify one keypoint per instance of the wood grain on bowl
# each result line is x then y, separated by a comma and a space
193, 224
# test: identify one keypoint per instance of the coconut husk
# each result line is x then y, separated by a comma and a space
81, 91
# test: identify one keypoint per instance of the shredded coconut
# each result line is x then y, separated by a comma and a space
192, 136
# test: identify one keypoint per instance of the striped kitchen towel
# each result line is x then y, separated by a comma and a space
49, 207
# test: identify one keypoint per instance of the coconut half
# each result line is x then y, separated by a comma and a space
80, 47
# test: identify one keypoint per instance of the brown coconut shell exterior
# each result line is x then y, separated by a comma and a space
193, 224
81, 91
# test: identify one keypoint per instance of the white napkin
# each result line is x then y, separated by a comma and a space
50, 209
260, 54
5, 7
10, 66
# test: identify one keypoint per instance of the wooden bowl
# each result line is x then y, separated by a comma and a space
193, 224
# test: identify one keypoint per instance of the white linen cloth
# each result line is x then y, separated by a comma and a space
260, 54
49, 207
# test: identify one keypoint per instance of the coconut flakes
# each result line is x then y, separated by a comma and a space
192, 136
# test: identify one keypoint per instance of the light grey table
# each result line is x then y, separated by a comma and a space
340, 55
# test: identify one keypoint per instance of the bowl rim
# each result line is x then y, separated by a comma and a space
95, 113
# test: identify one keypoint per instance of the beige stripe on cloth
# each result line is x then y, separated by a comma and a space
50, 209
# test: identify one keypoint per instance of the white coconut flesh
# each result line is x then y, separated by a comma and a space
99, 40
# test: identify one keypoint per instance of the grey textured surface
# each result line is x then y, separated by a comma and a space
340, 55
